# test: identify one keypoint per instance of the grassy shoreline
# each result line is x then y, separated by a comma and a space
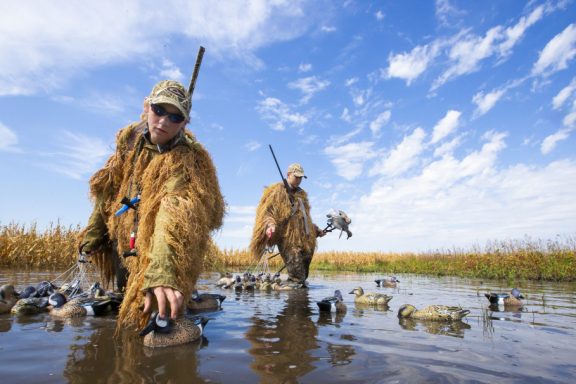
526, 259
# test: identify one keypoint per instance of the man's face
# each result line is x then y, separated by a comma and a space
162, 129
293, 180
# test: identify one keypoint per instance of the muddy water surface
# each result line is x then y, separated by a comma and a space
280, 337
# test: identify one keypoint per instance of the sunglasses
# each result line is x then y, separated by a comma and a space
161, 111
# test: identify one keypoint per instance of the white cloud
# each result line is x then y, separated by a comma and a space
557, 52
44, 45
549, 143
279, 114
448, 124
381, 120
513, 34
401, 158
485, 102
564, 94
446, 13
309, 86
379, 15
466, 54
433, 210
447, 148
8, 139
328, 29
170, 71
80, 155
305, 67
349, 159
408, 66
252, 145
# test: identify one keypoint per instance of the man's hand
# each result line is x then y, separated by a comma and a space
270, 231
163, 295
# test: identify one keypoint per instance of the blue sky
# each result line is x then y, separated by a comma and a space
433, 124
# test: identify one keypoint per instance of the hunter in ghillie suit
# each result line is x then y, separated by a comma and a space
285, 221
156, 201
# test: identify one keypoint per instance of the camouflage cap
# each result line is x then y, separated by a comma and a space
297, 170
173, 93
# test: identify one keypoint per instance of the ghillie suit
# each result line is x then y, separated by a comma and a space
180, 204
296, 246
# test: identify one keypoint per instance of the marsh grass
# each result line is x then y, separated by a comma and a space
524, 259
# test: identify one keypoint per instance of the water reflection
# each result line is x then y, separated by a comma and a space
104, 358
282, 344
446, 328
330, 318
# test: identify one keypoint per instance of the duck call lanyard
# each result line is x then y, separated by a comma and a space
132, 251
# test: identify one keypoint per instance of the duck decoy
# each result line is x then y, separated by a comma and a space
370, 297
30, 306
167, 332
507, 299
389, 282
8, 297
205, 301
78, 306
227, 281
432, 312
45, 289
27, 292
333, 303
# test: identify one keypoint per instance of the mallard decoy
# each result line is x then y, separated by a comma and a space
27, 292
432, 312
205, 301
508, 299
227, 281
79, 306
389, 282
161, 332
370, 297
333, 303
30, 306
45, 289
8, 297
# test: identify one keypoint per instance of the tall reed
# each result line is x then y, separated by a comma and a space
552, 260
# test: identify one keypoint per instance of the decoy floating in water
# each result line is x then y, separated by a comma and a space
370, 297
8, 297
30, 306
79, 306
333, 303
432, 312
507, 299
389, 282
205, 301
166, 332
227, 281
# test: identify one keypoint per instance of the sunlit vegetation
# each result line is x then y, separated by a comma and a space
552, 260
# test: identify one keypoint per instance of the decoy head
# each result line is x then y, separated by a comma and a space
406, 310
29, 291
57, 300
157, 324
517, 294
338, 295
358, 291
45, 288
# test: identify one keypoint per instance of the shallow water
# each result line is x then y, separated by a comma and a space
280, 337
